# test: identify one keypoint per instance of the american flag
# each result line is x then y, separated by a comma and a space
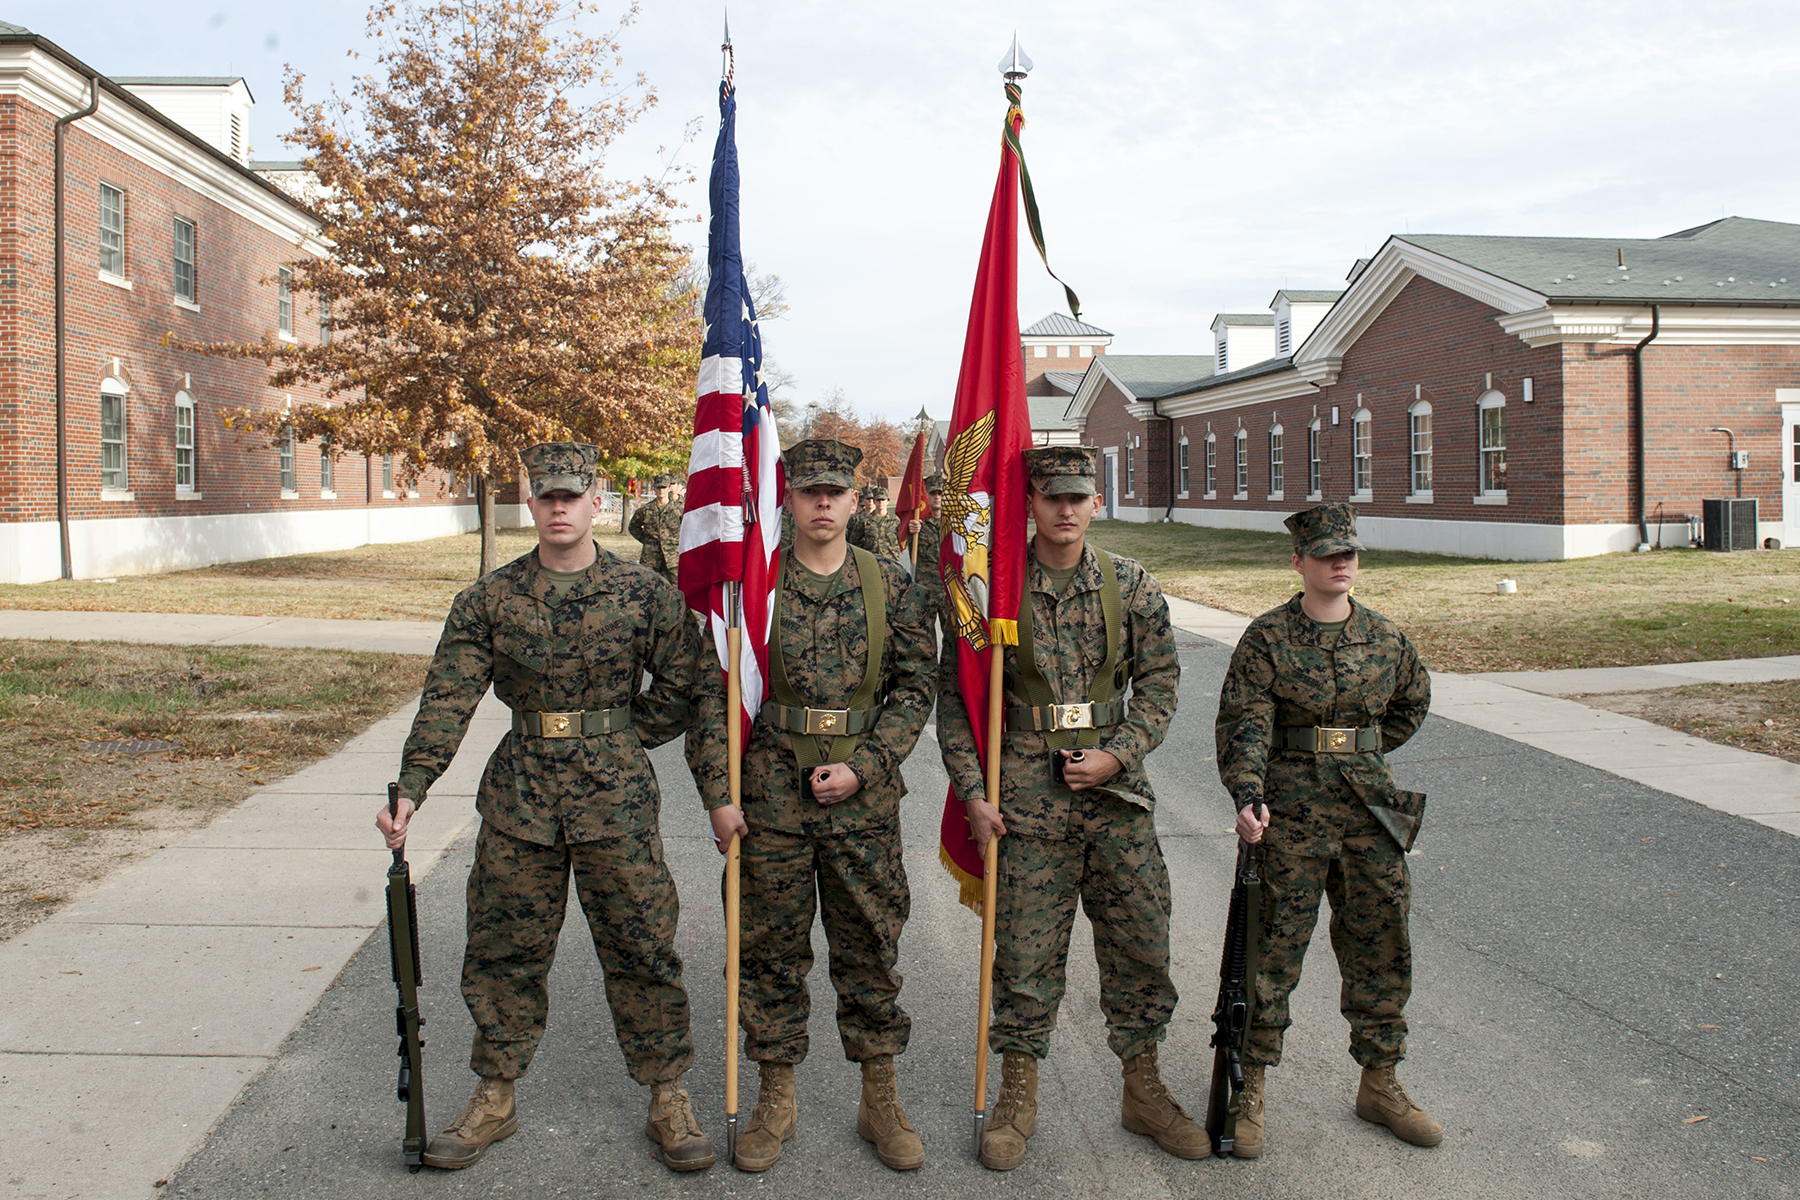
731, 525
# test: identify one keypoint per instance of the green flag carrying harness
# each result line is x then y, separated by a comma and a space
840, 728
1107, 708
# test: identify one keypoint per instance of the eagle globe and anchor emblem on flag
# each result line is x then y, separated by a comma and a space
969, 521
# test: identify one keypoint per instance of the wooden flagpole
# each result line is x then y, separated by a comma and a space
990, 876
734, 743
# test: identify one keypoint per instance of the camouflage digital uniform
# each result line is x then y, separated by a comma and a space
1097, 845
1324, 837
551, 805
877, 532
802, 856
658, 527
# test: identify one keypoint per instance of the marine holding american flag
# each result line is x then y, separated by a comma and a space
850, 667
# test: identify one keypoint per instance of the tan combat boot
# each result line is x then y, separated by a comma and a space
1249, 1141
1381, 1099
773, 1121
1014, 1119
881, 1120
490, 1116
1150, 1110
672, 1126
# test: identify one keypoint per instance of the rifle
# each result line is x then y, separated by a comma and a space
1237, 996
403, 947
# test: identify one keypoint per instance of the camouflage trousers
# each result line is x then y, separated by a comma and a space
1112, 862
858, 881
1371, 895
518, 892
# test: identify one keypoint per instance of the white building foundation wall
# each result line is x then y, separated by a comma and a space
99, 549
1508, 540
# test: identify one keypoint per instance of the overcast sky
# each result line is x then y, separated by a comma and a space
1190, 158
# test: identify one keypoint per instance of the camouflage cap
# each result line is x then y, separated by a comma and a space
668, 479
876, 491
560, 466
1062, 470
934, 484
821, 463
1324, 530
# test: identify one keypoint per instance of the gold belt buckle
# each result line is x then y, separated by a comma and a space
559, 725
1334, 741
1072, 716
827, 721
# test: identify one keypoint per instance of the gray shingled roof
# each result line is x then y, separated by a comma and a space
1267, 366
9, 27
1245, 318
1297, 296
1049, 412
1730, 261
1068, 381
1057, 325
1153, 376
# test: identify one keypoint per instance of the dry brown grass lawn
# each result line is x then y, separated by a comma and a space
1616, 610
238, 717
407, 581
1764, 717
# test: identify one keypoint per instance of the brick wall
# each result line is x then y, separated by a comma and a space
1108, 424
115, 331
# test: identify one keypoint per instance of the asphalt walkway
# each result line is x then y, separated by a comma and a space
133, 1019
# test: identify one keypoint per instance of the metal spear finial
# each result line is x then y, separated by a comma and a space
1016, 64
727, 44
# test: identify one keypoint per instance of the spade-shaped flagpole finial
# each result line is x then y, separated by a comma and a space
1016, 64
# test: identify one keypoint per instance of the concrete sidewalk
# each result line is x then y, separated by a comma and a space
131, 1020
1525, 707
200, 629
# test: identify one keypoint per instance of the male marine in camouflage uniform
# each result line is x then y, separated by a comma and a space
658, 526
840, 850
1089, 836
1318, 692
565, 634
930, 533
879, 532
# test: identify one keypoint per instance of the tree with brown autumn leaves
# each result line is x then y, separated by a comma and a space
491, 285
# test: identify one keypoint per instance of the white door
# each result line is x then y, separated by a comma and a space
1790, 474
1112, 484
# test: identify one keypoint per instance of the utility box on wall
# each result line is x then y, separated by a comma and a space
1728, 524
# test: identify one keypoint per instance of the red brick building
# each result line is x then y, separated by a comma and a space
1481, 396
168, 231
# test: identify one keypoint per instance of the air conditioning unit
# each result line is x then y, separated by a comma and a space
1728, 524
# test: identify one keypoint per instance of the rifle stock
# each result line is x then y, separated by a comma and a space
403, 949
1237, 997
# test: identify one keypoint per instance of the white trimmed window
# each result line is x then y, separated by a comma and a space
184, 442
1492, 407
1087, 352
327, 469
1419, 424
187, 278
1130, 472
1276, 474
324, 323
1315, 461
1184, 466
387, 476
289, 488
284, 302
1212, 464
1362, 452
112, 230
113, 474
1243, 464
1062, 352
1040, 352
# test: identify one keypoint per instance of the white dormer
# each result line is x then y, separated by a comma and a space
1297, 314
215, 108
1241, 340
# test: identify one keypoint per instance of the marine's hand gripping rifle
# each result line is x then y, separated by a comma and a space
403, 944
1237, 997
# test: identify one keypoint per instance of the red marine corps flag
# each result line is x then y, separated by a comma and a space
982, 556
913, 504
